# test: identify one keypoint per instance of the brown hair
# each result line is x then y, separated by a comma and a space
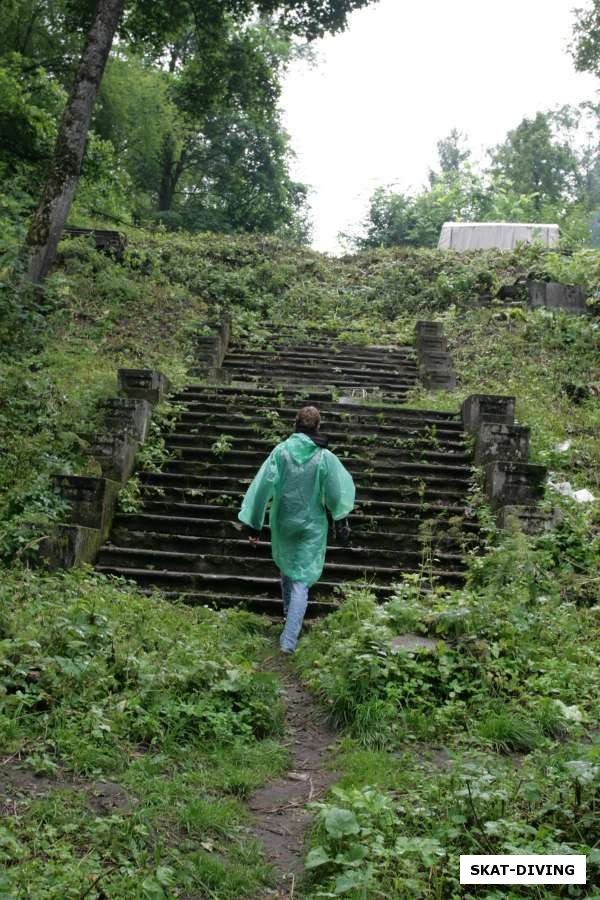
308, 418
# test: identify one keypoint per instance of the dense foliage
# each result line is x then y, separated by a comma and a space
98, 683
492, 733
187, 128
484, 739
546, 170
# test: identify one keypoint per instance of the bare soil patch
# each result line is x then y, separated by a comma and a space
279, 807
20, 785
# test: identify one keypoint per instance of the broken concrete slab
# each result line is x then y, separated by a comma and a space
529, 519
411, 643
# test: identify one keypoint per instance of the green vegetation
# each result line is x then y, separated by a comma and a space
98, 681
546, 170
186, 129
133, 730
485, 740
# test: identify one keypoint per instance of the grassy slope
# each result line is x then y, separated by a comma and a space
77, 652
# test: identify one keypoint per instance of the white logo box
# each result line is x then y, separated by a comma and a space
523, 869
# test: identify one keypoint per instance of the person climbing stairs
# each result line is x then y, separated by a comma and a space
412, 469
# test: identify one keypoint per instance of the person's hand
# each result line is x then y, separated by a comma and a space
343, 531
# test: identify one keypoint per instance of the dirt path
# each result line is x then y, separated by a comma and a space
279, 807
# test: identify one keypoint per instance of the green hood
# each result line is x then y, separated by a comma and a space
300, 447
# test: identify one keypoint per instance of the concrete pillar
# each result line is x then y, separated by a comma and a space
514, 483
129, 415
143, 384
497, 441
553, 295
115, 451
92, 500
479, 408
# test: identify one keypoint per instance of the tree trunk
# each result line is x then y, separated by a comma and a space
49, 219
165, 191
172, 170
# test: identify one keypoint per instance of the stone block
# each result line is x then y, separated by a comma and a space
553, 295
209, 353
435, 357
515, 291
438, 365
514, 483
528, 519
143, 384
212, 374
478, 408
67, 546
439, 379
128, 414
92, 500
211, 348
435, 344
115, 451
429, 328
112, 242
497, 441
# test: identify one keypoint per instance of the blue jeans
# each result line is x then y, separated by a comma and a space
295, 600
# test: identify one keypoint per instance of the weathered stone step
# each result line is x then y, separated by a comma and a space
220, 440
384, 471
325, 354
383, 483
243, 410
229, 541
242, 400
367, 531
242, 559
248, 461
388, 382
273, 363
229, 393
268, 606
252, 585
344, 422
368, 519
338, 426
379, 499
334, 431
195, 446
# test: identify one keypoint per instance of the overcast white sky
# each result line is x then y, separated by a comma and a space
402, 76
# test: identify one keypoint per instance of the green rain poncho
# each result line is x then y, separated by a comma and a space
302, 479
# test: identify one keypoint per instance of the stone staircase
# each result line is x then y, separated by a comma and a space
412, 470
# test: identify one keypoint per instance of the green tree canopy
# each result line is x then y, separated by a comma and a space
586, 39
537, 162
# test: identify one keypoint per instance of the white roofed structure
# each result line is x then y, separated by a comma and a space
494, 235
